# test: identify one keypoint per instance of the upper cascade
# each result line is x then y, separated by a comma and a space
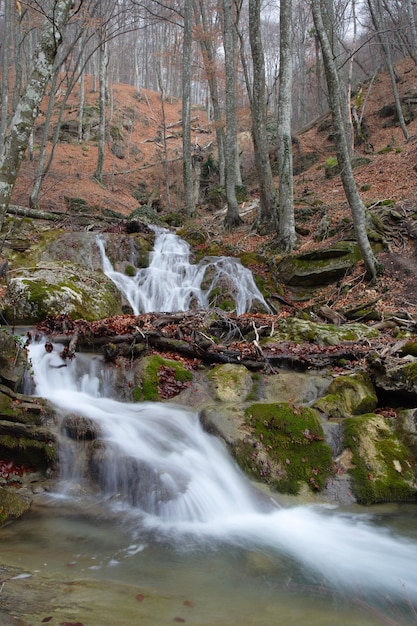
172, 283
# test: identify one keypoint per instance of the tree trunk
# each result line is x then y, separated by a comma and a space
209, 59
232, 218
186, 110
341, 141
104, 59
267, 218
380, 26
5, 62
16, 140
286, 192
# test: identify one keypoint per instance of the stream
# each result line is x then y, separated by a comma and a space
152, 523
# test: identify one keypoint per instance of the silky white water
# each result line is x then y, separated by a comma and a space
177, 482
173, 283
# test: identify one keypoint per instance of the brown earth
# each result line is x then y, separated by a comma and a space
391, 175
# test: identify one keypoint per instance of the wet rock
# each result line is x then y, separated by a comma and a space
230, 383
348, 395
13, 360
79, 427
383, 469
12, 505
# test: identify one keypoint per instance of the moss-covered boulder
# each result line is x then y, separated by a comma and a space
383, 468
12, 505
26, 430
285, 447
302, 330
399, 379
158, 378
13, 360
319, 267
348, 395
230, 383
60, 288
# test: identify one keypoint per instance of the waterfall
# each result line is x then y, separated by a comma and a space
154, 462
173, 283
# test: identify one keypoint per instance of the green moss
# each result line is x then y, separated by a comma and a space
30, 452
130, 270
382, 469
150, 380
288, 447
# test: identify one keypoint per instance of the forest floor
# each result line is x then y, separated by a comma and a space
389, 179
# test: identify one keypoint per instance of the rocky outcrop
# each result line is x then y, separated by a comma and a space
319, 267
27, 437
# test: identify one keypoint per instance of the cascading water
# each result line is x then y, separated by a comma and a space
177, 498
160, 466
172, 283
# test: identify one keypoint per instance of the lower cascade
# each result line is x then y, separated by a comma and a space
156, 466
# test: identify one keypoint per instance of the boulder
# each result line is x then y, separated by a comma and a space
230, 383
13, 360
397, 377
12, 505
383, 469
319, 267
304, 330
60, 288
348, 395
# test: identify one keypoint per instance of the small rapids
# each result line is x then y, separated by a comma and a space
172, 283
160, 469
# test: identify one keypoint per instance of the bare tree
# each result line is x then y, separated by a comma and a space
267, 217
341, 142
232, 218
26, 112
186, 109
378, 17
285, 171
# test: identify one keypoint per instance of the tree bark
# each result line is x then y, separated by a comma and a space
16, 140
341, 142
380, 26
232, 218
186, 109
267, 218
287, 234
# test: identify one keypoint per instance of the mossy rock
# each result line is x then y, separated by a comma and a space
32, 446
319, 267
286, 448
399, 381
384, 470
300, 331
13, 360
60, 288
147, 378
348, 395
12, 505
230, 383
